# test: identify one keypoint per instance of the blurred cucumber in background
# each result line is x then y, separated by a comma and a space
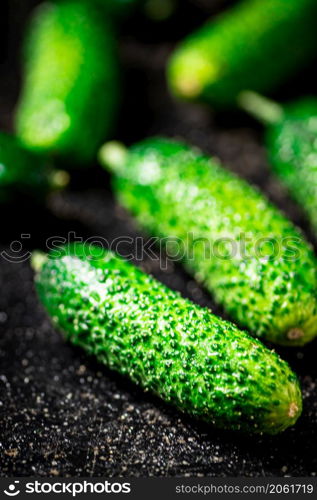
115, 7
245, 252
70, 85
291, 140
22, 172
255, 45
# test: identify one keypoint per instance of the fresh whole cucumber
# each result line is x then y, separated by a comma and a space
291, 139
23, 171
245, 252
255, 45
70, 87
135, 325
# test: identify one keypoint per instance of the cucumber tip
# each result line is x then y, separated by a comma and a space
293, 410
295, 334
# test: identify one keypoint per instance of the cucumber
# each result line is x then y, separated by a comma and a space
179, 351
22, 171
292, 149
70, 88
116, 7
257, 265
255, 45
291, 139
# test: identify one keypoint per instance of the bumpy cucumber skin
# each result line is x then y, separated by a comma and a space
177, 350
292, 149
20, 170
255, 46
70, 89
176, 192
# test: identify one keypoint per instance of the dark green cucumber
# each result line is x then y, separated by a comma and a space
135, 325
291, 139
255, 45
70, 85
254, 261
23, 171
116, 7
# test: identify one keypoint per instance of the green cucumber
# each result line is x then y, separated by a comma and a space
116, 7
179, 351
70, 87
255, 45
245, 252
291, 139
23, 171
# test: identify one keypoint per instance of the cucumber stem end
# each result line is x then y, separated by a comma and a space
59, 179
113, 155
295, 334
293, 410
38, 260
265, 110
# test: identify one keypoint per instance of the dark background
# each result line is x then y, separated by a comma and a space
61, 413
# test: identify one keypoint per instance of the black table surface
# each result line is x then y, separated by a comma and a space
62, 413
